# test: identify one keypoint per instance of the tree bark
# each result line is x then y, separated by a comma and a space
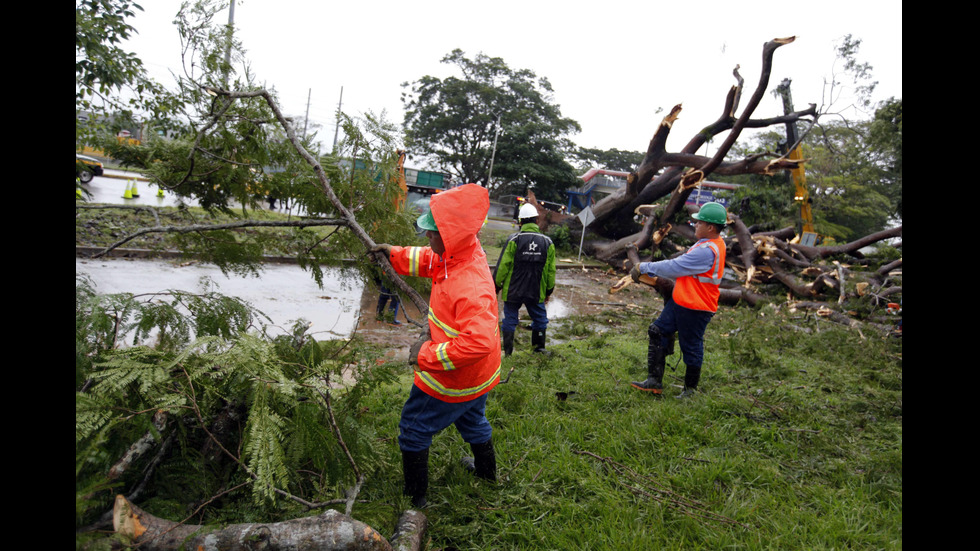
140, 447
644, 186
853, 248
329, 531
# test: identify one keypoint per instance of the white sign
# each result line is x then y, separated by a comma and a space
586, 217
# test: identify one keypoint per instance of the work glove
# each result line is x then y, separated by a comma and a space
413, 352
635, 273
381, 248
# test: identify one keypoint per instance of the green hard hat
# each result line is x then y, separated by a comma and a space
712, 213
427, 222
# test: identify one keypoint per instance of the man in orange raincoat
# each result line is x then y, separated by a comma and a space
456, 369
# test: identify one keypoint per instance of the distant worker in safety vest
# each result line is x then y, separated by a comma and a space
697, 274
525, 276
456, 369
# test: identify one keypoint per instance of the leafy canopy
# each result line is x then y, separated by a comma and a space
452, 121
109, 79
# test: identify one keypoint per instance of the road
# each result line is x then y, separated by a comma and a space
111, 186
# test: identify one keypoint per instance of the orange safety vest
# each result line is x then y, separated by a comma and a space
462, 360
701, 291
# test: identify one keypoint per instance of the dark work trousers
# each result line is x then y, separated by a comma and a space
423, 416
689, 325
537, 311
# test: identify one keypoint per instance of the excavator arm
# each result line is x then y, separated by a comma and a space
808, 234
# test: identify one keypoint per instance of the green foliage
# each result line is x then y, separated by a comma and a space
854, 180
610, 159
275, 387
859, 72
452, 121
885, 145
112, 88
844, 184
561, 236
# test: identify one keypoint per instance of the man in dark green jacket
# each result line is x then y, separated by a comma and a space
525, 276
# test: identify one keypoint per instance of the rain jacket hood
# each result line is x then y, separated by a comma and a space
459, 214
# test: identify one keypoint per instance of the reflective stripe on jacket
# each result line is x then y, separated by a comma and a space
701, 291
462, 360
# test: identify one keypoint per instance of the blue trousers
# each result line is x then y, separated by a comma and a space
537, 311
423, 416
384, 296
689, 325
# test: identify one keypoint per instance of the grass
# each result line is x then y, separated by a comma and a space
794, 442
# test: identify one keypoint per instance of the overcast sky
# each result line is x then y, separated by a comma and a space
612, 63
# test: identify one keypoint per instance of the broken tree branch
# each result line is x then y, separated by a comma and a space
329, 530
348, 216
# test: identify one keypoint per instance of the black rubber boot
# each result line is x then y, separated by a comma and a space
686, 393
508, 343
656, 361
415, 466
691, 377
483, 464
537, 341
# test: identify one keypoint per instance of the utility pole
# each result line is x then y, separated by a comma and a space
306, 120
336, 129
231, 34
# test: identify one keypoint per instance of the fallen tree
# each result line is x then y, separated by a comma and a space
628, 221
765, 258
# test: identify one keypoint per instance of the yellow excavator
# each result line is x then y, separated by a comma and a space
808, 235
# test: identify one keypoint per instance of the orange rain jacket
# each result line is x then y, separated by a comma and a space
462, 361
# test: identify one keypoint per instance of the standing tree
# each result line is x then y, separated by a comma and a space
108, 79
609, 159
453, 121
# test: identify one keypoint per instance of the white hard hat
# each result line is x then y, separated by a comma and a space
527, 211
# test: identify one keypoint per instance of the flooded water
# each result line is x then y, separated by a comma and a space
283, 292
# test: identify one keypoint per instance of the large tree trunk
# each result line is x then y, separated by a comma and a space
682, 171
329, 531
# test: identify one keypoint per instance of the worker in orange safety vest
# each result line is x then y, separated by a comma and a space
456, 369
697, 274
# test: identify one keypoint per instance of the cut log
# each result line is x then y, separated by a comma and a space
327, 531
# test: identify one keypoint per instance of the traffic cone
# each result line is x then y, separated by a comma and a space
128, 194
136, 192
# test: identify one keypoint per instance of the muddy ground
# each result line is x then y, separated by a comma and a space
579, 292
